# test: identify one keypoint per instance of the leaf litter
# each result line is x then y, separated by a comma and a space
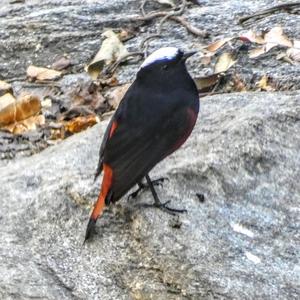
105, 93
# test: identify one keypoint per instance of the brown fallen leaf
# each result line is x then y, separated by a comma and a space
263, 84
115, 95
111, 50
86, 98
12, 110
61, 63
205, 84
26, 125
213, 47
7, 109
294, 52
41, 74
5, 88
224, 62
80, 123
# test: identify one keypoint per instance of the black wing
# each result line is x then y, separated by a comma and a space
134, 150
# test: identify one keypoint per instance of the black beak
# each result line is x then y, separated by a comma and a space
188, 54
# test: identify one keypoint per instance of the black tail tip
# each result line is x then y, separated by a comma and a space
90, 230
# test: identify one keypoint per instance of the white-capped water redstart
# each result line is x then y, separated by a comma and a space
154, 118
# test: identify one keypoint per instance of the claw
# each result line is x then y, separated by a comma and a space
164, 207
90, 230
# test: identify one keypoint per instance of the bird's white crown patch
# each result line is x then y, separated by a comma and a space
167, 53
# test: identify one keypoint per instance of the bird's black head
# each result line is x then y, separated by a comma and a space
164, 66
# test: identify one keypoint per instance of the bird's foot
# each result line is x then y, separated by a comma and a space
164, 207
144, 186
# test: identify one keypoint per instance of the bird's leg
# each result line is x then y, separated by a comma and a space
143, 186
158, 203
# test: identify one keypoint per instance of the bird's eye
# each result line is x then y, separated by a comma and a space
165, 67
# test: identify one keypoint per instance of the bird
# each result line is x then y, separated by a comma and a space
154, 118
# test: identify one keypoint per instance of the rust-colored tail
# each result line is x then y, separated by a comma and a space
100, 203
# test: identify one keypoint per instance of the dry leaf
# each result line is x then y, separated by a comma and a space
252, 37
115, 95
80, 123
22, 126
283, 56
111, 50
294, 52
205, 60
276, 37
12, 110
205, 83
224, 62
7, 109
61, 63
271, 39
238, 84
41, 74
167, 2
5, 88
263, 84
257, 52
217, 44
124, 35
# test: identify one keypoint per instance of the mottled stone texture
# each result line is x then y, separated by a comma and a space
242, 242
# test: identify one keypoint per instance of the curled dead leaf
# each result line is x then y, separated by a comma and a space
5, 88
12, 110
42, 74
115, 95
224, 62
111, 50
213, 47
205, 84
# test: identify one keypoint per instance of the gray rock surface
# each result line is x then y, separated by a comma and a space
38, 32
241, 243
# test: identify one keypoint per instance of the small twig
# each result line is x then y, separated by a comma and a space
41, 84
114, 66
172, 14
192, 29
147, 38
22, 78
142, 7
271, 10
